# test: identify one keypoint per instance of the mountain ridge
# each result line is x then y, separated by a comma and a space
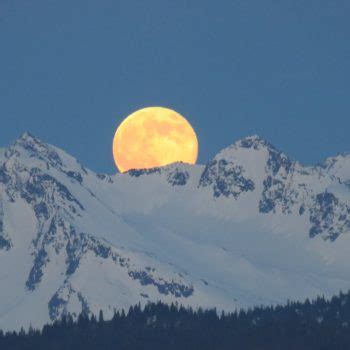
249, 227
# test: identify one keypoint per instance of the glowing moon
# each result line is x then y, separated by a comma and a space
154, 136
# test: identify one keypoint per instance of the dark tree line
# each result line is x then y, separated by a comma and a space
320, 324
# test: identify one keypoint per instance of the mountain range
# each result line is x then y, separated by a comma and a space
251, 227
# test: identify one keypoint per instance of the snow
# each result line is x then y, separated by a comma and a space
339, 166
169, 230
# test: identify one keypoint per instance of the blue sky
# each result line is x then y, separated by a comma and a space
70, 71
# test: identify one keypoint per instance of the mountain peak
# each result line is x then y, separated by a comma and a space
254, 141
26, 137
30, 143
28, 140
338, 166
249, 143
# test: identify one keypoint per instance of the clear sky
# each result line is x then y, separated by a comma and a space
71, 70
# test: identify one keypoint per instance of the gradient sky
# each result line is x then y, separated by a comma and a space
70, 71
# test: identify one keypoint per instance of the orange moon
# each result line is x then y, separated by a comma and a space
154, 136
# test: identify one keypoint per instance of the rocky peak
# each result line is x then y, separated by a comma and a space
176, 174
29, 145
27, 138
338, 166
257, 156
245, 165
254, 142
29, 152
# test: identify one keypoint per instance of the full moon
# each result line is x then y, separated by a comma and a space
154, 136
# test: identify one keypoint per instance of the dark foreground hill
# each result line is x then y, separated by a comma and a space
319, 324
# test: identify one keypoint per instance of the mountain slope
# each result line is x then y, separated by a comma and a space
251, 227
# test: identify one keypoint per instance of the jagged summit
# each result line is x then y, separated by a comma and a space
339, 166
26, 137
29, 142
32, 145
31, 152
253, 141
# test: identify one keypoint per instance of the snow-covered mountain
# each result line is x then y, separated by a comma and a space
251, 227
